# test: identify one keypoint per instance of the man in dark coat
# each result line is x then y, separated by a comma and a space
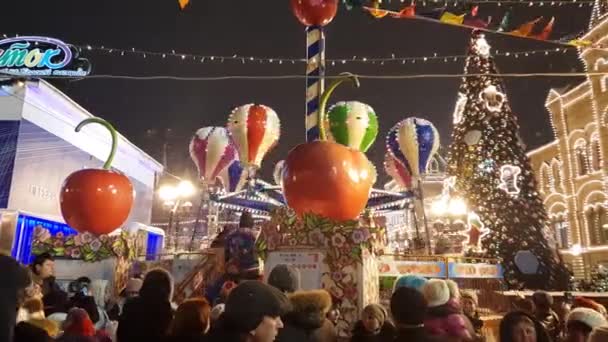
15, 278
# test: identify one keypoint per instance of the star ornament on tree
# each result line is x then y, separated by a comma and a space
481, 47
492, 98
509, 177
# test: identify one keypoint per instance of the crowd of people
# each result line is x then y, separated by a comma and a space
276, 310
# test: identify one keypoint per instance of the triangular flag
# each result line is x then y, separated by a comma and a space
474, 11
183, 3
434, 13
505, 22
451, 18
544, 34
580, 43
525, 29
476, 22
407, 12
377, 12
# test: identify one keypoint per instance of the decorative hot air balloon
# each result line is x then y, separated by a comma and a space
278, 172
326, 178
255, 130
398, 172
232, 177
353, 124
212, 151
413, 142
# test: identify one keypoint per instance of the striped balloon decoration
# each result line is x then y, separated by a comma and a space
397, 172
233, 178
353, 124
255, 130
212, 150
413, 142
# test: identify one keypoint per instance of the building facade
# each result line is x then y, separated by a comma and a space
571, 170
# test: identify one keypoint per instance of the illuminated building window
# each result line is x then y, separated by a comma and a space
580, 153
597, 225
559, 225
556, 167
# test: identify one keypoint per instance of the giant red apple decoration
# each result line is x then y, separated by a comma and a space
97, 200
327, 178
314, 12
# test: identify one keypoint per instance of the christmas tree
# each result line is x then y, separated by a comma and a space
494, 177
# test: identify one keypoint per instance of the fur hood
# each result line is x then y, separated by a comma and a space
308, 309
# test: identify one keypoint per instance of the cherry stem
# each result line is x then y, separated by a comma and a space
325, 97
110, 128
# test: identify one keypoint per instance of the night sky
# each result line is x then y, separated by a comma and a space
144, 110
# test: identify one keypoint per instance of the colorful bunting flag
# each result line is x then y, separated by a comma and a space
434, 13
451, 18
505, 22
183, 3
474, 11
406, 12
476, 22
525, 29
377, 12
544, 34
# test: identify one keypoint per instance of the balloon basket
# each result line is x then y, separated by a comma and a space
339, 257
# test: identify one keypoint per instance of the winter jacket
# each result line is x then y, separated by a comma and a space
445, 321
144, 319
386, 334
307, 322
476, 322
15, 278
197, 338
414, 334
26, 332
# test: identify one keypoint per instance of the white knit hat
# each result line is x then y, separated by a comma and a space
436, 292
589, 317
599, 334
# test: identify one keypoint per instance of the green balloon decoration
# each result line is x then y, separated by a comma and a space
353, 124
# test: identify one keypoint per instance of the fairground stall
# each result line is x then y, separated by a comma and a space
40, 149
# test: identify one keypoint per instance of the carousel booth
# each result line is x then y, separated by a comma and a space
41, 149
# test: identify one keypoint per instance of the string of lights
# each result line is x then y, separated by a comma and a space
393, 58
241, 59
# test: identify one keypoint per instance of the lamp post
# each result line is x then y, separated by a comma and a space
450, 208
173, 196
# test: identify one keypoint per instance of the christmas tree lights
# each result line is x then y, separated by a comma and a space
493, 174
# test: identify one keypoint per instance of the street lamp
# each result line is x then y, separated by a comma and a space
172, 196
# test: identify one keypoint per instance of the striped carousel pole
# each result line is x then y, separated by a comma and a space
315, 79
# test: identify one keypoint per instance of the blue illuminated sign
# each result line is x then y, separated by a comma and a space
41, 56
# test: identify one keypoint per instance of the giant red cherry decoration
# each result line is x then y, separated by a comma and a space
97, 200
327, 178
314, 12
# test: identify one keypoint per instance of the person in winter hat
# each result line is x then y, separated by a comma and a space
307, 319
285, 278
373, 326
252, 314
545, 314
468, 301
599, 334
444, 319
582, 302
580, 323
518, 326
14, 279
411, 281
148, 316
408, 308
